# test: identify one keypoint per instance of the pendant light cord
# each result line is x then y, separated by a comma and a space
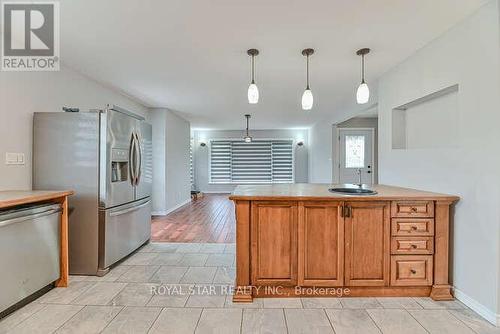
253, 69
247, 124
363, 69
307, 71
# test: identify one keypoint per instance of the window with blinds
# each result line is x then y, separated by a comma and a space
261, 161
191, 170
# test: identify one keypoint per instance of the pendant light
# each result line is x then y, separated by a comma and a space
253, 91
307, 97
363, 93
247, 137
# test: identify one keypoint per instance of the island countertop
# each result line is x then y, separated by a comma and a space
313, 191
10, 198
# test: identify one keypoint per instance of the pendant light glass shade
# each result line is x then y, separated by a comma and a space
253, 91
363, 93
307, 100
253, 94
307, 96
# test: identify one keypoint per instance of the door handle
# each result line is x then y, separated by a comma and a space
131, 159
124, 211
29, 217
139, 154
346, 211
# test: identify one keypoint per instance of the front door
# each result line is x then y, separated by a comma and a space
356, 156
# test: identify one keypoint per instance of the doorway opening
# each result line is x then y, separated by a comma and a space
356, 163
355, 151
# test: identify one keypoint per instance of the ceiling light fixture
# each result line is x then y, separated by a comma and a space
253, 91
363, 93
307, 97
247, 137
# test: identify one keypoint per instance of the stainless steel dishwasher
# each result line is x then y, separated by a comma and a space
29, 251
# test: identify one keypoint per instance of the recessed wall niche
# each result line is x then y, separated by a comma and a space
431, 121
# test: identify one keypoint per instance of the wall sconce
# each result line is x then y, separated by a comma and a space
300, 143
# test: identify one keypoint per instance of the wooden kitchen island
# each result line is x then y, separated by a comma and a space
303, 240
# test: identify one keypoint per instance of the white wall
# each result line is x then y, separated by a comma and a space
158, 120
320, 153
23, 93
201, 154
498, 248
178, 183
467, 55
171, 140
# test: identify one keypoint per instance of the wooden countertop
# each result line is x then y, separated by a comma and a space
310, 191
9, 198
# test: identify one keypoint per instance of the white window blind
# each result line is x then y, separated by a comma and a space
261, 161
191, 170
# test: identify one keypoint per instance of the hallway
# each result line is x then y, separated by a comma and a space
208, 219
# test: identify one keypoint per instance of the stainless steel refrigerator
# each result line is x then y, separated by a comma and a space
105, 156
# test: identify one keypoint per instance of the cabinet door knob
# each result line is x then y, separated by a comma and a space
413, 271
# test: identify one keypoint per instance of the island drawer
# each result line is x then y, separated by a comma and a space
411, 270
412, 227
412, 245
412, 209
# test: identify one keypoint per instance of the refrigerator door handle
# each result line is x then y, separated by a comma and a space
139, 166
131, 159
134, 208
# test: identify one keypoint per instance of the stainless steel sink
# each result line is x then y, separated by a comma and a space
353, 191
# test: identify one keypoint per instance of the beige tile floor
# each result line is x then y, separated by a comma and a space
123, 302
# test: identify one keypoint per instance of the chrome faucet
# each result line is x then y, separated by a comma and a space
360, 183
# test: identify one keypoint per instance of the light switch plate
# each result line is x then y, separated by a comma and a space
14, 158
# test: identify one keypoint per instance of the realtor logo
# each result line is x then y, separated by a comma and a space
30, 36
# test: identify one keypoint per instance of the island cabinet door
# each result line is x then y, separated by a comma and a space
321, 244
367, 243
274, 243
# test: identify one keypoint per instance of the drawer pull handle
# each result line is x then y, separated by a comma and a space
413, 246
414, 209
414, 228
413, 271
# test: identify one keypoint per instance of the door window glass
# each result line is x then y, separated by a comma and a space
354, 151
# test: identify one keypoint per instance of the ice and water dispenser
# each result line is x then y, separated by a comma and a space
119, 165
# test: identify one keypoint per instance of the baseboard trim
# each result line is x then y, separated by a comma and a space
477, 307
166, 212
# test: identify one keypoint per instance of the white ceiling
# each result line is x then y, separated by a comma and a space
190, 55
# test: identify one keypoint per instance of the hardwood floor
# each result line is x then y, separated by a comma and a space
209, 219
